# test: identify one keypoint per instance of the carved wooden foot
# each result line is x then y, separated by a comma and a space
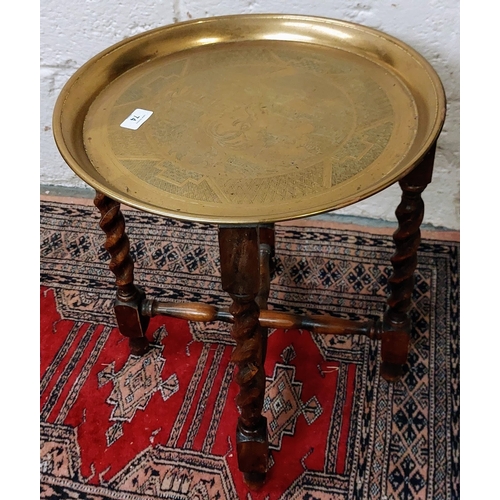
396, 322
240, 274
131, 322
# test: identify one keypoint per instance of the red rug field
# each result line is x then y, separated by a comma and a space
162, 426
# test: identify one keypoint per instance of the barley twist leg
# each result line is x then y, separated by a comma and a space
239, 252
128, 297
396, 323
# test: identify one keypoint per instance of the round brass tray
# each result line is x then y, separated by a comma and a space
252, 118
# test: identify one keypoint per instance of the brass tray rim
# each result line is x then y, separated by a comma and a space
438, 121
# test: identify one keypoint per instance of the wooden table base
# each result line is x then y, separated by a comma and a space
246, 254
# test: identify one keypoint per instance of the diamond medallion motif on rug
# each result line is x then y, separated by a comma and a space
283, 406
134, 385
114, 426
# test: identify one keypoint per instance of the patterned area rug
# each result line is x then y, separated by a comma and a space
162, 426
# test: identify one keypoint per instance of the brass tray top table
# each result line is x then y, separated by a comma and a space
244, 121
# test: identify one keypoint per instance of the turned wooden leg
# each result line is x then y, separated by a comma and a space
240, 275
131, 322
396, 322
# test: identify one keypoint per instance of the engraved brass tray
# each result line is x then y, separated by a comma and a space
255, 118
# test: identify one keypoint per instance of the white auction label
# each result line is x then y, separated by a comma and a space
136, 119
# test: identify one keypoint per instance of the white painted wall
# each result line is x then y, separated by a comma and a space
72, 31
